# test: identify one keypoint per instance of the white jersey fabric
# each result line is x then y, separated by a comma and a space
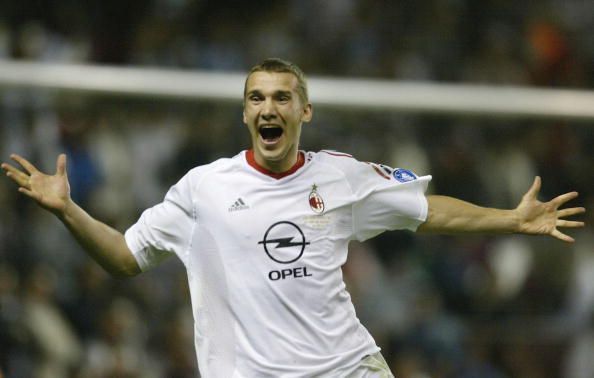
263, 256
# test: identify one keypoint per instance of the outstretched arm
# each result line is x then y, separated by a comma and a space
450, 215
52, 192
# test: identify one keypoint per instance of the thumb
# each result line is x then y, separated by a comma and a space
61, 165
532, 193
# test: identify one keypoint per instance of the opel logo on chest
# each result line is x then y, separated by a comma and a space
284, 242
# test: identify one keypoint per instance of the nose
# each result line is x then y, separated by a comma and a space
268, 110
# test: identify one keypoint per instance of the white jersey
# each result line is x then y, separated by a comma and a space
263, 254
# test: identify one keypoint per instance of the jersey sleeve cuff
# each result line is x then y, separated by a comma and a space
424, 204
138, 252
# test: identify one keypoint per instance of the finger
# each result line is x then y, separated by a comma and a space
560, 200
16, 175
561, 236
569, 212
571, 224
534, 189
61, 165
30, 168
29, 193
10, 169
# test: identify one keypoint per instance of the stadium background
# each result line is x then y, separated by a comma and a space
474, 306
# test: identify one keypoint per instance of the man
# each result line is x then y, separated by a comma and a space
263, 236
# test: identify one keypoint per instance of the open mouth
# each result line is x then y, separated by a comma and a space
270, 133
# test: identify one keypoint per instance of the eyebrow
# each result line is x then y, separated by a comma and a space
279, 92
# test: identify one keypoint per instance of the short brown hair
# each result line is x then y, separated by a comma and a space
281, 66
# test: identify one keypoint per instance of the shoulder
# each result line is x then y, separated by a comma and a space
339, 160
344, 162
195, 176
364, 173
219, 165
354, 172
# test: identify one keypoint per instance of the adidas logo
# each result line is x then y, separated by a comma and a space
238, 205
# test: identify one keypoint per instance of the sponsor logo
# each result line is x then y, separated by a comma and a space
404, 175
284, 242
239, 204
299, 272
315, 200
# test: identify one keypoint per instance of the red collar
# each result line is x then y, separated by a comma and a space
252, 161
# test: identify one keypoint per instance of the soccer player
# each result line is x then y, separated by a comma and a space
263, 236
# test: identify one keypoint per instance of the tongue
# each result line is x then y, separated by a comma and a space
270, 139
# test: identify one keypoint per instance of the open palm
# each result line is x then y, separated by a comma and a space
544, 218
51, 192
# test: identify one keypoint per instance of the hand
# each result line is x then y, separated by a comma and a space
52, 192
543, 218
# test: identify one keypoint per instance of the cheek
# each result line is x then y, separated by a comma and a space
247, 112
249, 117
296, 113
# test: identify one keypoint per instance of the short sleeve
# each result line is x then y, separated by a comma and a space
164, 229
387, 199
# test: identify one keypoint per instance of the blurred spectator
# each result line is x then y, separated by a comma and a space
91, 292
179, 345
117, 351
579, 363
57, 347
12, 333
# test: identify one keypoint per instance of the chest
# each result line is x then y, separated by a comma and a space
283, 219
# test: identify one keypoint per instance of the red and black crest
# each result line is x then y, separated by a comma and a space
315, 200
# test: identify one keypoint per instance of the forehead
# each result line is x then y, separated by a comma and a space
271, 82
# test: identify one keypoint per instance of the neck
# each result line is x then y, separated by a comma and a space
277, 161
276, 169
277, 166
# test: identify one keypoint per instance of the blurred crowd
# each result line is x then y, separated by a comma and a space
439, 306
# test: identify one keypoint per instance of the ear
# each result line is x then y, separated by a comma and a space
244, 117
307, 113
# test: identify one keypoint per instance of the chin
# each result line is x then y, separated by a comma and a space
273, 156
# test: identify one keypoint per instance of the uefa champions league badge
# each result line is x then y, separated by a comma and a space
315, 200
403, 175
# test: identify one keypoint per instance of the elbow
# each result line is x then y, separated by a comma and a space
121, 274
124, 271
126, 267
429, 227
423, 228
432, 224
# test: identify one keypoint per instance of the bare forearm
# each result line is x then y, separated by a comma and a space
104, 244
452, 216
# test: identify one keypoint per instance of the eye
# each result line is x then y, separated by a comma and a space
255, 98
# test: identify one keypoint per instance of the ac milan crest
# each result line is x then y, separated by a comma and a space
315, 200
